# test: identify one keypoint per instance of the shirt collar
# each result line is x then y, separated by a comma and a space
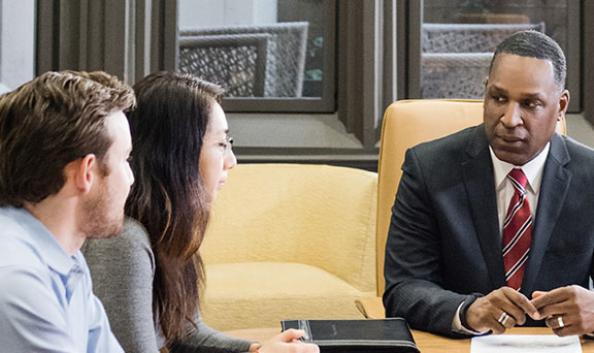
44, 243
532, 169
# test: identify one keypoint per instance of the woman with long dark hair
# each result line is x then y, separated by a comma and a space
150, 277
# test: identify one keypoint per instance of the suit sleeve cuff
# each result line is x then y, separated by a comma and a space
459, 324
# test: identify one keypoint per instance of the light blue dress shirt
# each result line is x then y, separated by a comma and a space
46, 299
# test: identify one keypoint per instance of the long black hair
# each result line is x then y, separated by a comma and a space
168, 197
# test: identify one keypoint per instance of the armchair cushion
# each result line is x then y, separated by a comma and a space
272, 291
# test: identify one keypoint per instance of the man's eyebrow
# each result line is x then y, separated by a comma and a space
528, 95
532, 95
497, 89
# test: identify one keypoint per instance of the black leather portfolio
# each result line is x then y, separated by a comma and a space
357, 336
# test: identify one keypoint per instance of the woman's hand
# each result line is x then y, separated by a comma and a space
286, 342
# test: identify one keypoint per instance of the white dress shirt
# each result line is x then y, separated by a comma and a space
504, 188
505, 191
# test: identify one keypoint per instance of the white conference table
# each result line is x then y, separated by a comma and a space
426, 342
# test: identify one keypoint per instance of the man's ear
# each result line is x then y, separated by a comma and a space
563, 104
83, 172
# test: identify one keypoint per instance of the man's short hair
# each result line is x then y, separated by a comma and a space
537, 45
49, 122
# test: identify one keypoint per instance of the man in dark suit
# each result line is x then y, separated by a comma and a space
491, 226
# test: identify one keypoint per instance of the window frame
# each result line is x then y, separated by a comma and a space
575, 66
373, 66
324, 104
367, 61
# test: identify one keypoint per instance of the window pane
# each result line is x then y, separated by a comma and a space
458, 38
256, 48
17, 43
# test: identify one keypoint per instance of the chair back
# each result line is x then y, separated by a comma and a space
470, 37
317, 215
285, 53
242, 55
455, 57
407, 123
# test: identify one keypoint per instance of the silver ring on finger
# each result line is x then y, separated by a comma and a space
503, 318
560, 322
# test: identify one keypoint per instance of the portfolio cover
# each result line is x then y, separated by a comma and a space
357, 336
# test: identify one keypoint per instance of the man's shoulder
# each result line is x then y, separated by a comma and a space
581, 160
18, 280
20, 264
578, 149
16, 250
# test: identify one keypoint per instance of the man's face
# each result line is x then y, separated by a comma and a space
522, 105
103, 210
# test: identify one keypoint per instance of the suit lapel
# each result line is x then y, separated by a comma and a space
553, 190
480, 185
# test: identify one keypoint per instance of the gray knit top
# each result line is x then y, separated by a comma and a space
122, 269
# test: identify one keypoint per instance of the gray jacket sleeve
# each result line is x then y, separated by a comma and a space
123, 269
204, 339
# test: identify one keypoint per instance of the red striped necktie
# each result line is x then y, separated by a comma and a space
517, 231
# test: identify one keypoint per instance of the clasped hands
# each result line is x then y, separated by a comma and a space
567, 310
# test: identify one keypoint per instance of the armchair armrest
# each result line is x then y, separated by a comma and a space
371, 307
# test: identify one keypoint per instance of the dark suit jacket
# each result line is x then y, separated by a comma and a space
444, 243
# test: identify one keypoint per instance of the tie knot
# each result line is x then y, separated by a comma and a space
519, 179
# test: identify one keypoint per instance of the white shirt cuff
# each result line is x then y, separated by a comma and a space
457, 326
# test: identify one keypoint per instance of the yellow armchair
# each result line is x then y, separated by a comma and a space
289, 241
